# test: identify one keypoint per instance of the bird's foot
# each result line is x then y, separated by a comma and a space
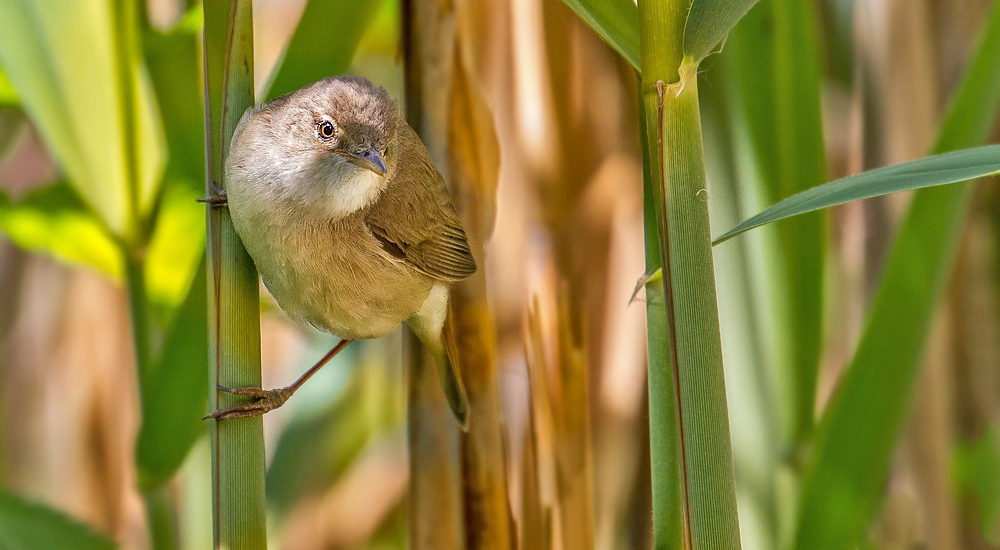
263, 401
217, 198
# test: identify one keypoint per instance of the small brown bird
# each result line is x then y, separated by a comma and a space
350, 225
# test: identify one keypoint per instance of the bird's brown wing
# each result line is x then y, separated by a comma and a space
414, 220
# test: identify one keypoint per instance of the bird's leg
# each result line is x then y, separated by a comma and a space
267, 400
217, 198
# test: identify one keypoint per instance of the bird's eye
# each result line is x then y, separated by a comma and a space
326, 130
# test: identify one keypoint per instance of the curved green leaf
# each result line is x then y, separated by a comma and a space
174, 395
25, 525
616, 21
942, 169
323, 44
708, 23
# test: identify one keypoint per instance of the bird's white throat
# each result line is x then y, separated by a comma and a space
353, 190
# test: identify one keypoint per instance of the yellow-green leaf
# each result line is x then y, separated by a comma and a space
60, 58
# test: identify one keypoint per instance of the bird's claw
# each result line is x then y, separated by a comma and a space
217, 198
263, 401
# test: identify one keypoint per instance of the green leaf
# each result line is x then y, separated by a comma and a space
174, 395
176, 246
174, 70
943, 169
616, 21
54, 221
708, 23
8, 96
25, 526
323, 44
976, 467
60, 57
854, 446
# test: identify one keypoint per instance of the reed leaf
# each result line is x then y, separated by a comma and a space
854, 445
473, 165
943, 169
615, 21
29, 525
435, 498
774, 60
234, 304
708, 23
8, 95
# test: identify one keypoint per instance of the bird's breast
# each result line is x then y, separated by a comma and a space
331, 274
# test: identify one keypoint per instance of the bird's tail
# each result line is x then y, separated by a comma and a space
451, 377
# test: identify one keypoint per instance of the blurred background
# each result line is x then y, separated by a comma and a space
870, 80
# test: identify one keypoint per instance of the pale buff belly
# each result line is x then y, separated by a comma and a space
336, 277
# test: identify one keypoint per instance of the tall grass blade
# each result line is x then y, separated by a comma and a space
234, 305
616, 21
8, 95
536, 522
859, 432
800, 164
175, 74
745, 274
943, 169
473, 168
574, 457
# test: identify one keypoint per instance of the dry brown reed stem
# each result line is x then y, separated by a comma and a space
574, 458
591, 93
540, 493
435, 499
447, 104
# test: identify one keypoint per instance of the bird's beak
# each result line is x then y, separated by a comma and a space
369, 159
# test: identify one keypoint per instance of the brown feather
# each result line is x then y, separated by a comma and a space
414, 217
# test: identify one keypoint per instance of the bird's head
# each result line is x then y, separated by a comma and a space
332, 143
